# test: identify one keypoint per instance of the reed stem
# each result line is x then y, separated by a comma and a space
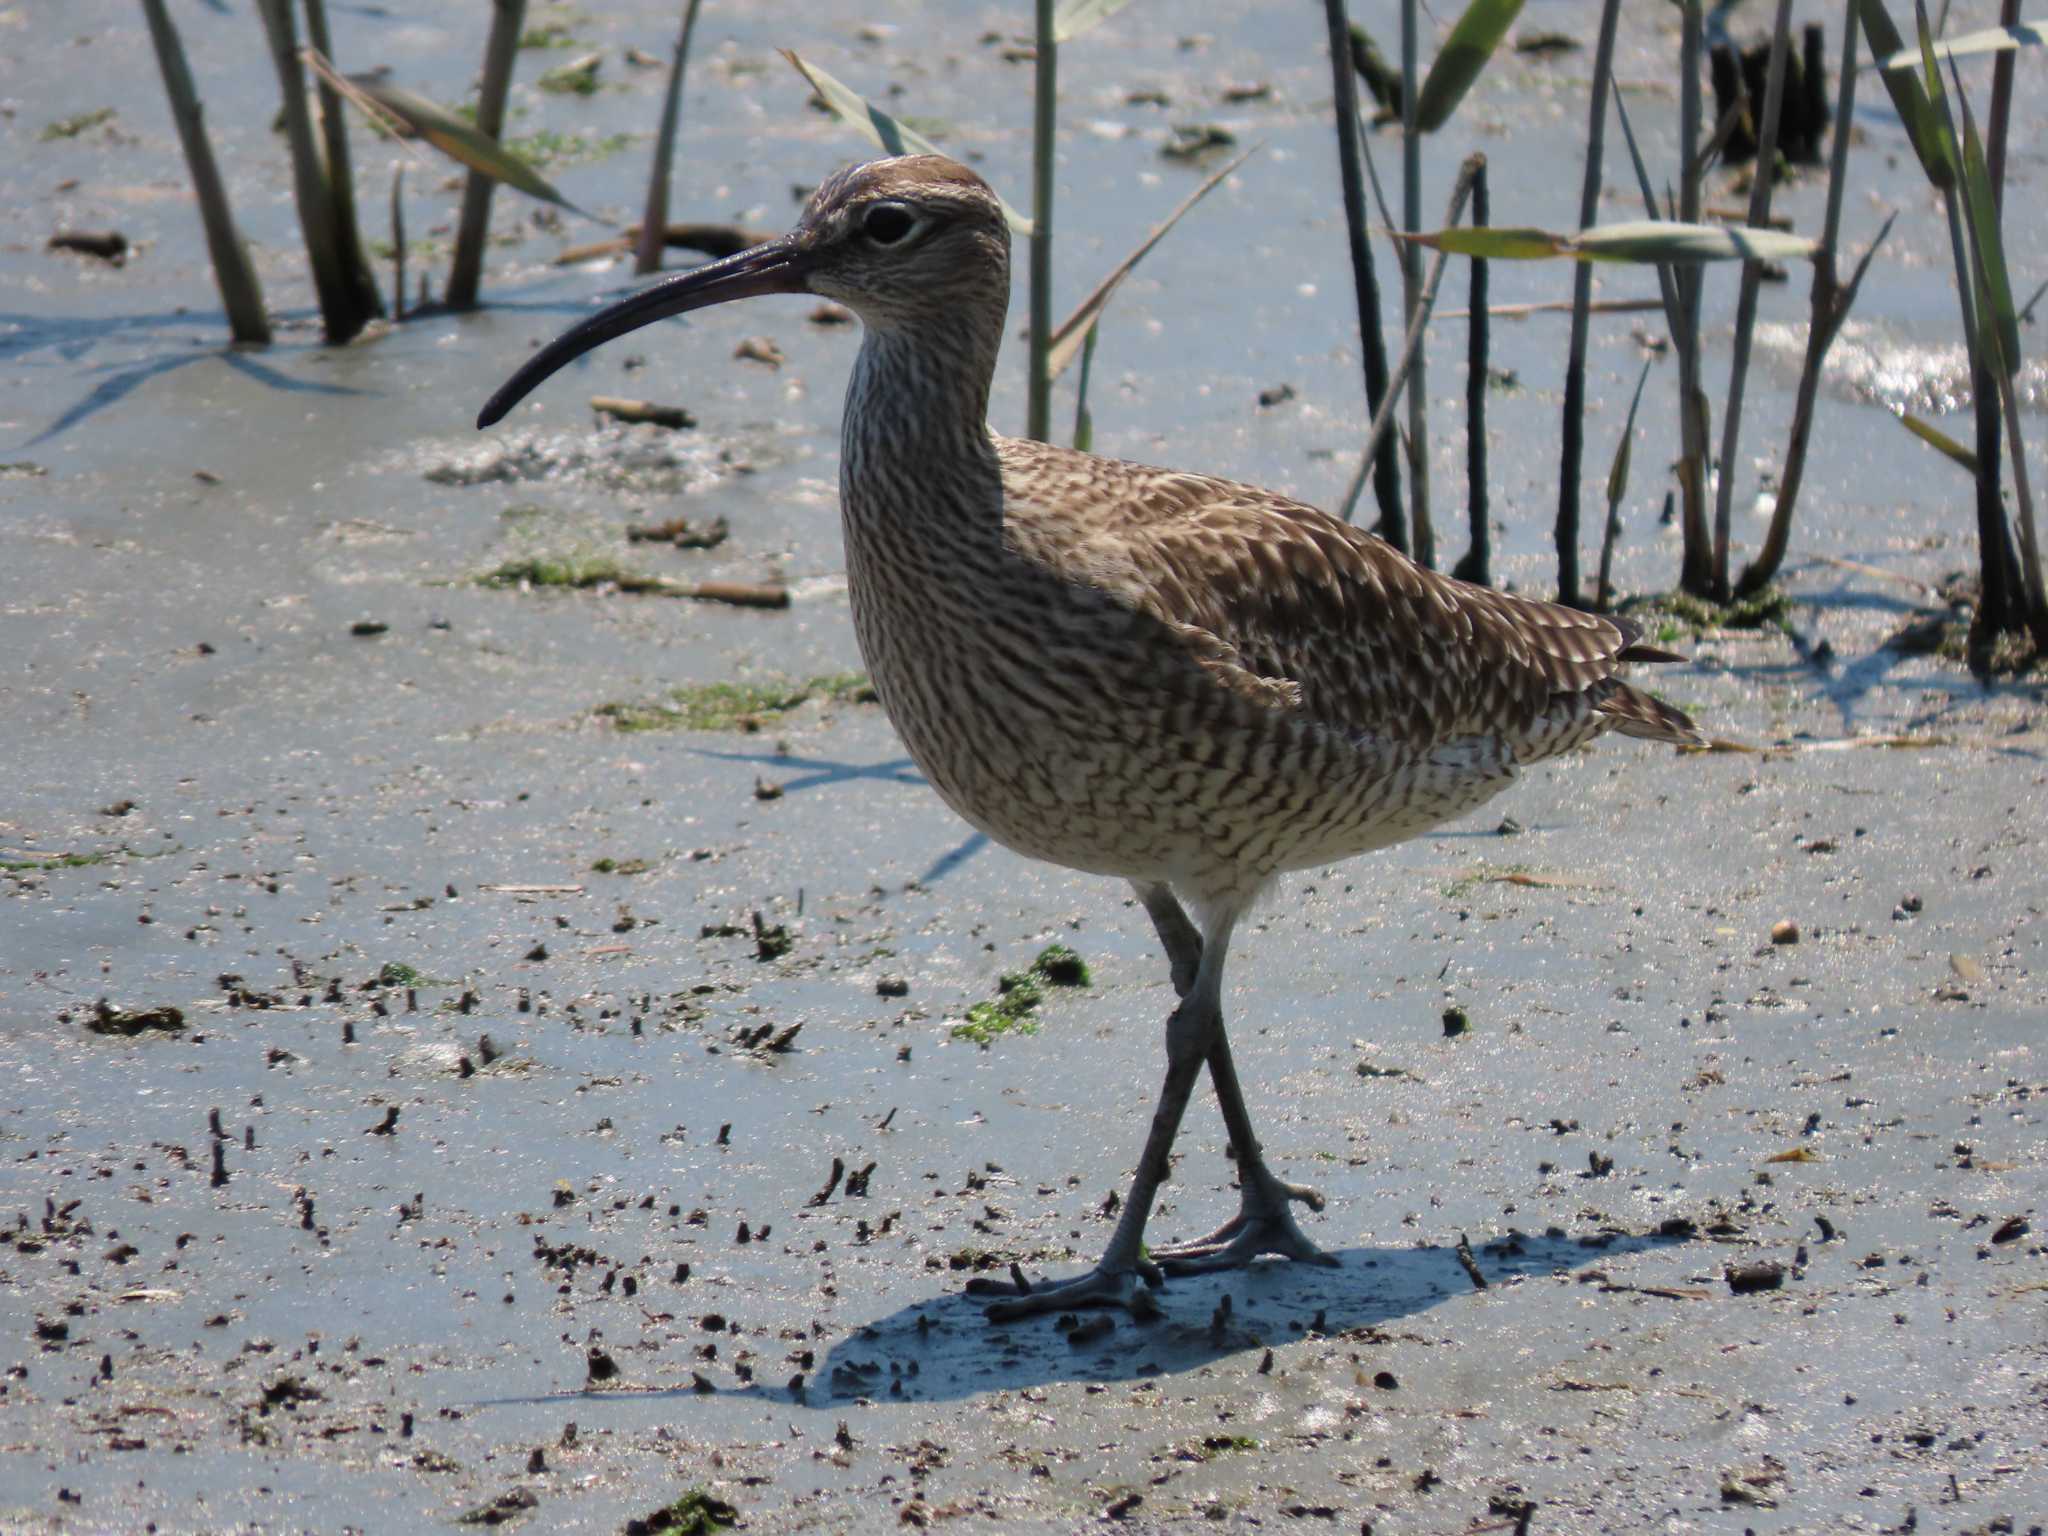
501, 50
1409, 364
1476, 565
1365, 284
341, 313
1830, 307
1761, 180
1696, 566
240, 293
1574, 434
654, 219
341, 181
1044, 107
1422, 529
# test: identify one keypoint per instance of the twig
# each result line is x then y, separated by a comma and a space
1469, 1264
1745, 304
1364, 279
1411, 345
241, 295
1574, 435
465, 271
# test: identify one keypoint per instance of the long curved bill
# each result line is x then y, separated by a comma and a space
777, 267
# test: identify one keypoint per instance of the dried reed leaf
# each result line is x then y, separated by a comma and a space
461, 141
879, 128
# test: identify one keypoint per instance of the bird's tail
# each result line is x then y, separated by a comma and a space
1635, 713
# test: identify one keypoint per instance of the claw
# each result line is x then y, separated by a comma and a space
1100, 1287
1263, 1225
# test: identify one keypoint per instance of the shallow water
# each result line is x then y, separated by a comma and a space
311, 805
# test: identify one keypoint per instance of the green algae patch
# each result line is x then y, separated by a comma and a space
736, 706
1018, 994
1676, 615
575, 571
696, 1513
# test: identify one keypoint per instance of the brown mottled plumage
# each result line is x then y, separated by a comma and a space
1192, 684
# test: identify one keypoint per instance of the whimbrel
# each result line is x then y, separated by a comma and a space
1187, 683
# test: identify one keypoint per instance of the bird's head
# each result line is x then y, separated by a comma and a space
900, 242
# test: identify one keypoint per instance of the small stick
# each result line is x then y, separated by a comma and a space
831, 1183
645, 411
1470, 1264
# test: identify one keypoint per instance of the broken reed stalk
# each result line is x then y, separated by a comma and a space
1760, 182
1830, 307
465, 272
1617, 491
240, 293
1084, 422
342, 314
1574, 436
1421, 529
1365, 284
1044, 105
341, 182
654, 220
1476, 564
1410, 363
1695, 571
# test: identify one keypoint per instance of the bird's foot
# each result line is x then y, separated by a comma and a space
1263, 1225
1105, 1285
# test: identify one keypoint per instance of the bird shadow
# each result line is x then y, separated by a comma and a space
942, 1349
825, 772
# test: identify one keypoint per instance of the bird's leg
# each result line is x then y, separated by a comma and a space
1263, 1223
1181, 939
1193, 1025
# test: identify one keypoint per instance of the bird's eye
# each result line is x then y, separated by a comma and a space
888, 223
